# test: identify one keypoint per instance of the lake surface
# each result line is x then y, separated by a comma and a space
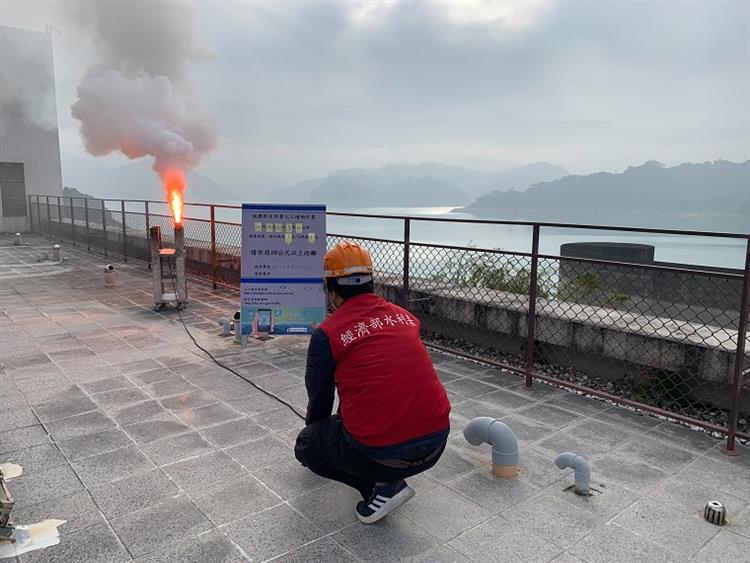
703, 251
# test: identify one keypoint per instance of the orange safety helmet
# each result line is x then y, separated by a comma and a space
345, 260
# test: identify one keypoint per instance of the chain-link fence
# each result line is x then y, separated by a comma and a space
666, 338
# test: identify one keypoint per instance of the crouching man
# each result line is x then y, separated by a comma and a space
392, 420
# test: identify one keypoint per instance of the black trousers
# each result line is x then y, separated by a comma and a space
323, 448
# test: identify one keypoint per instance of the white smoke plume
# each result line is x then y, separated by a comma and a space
136, 98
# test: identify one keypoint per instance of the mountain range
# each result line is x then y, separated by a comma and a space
402, 185
713, 195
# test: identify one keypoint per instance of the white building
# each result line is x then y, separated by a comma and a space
29, 143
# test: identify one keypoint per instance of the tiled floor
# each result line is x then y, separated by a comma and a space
151, 452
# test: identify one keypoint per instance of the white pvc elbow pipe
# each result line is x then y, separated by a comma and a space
485, 429
582, 470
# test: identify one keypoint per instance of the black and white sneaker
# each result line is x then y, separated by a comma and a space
383, 501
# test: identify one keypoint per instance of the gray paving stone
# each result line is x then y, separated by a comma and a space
176, 448
137, 366
330, 507
91, 545
451, 465
64, 407
160, 524
273, 532
210, 547
109, 466
204, 471
44, 485
549, 415
503, 540
108, 384
538, 468
609, 498
41, 393
274, 381
614, 543
658, 454
77, 509
444, 513
253, 404
153, 376
442, 554
683, 534
507, 401
567, 558
93, 444
185, 401
634, 421
630, 472
492, 493
234, 500
279, 420
139, 412
526, 429
725, 546
234, 432
170, 387
393, 538
679, 436
469, 388
580, 404
569, 441
120, 398
600, 433
130, 494
36, 458
12, 418
324, 549
554, 520
157, 429
207, 416
23, 438
80, 425
289, 479
260, 453
233, 389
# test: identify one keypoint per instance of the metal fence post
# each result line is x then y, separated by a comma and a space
104, 227
49, 219
38, 215
213, 245
148, 235
531, 318
72, 222
739, 360
124, 233
88, 228
59, 217
31, 216
407, 248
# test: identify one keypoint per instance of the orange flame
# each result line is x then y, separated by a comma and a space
174, 186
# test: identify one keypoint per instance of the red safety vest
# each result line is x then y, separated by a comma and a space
388, 389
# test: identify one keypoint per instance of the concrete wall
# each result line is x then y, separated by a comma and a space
28, 114
705, 297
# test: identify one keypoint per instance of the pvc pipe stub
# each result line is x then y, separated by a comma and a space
715, 513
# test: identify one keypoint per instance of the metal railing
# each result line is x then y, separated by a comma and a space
669, 339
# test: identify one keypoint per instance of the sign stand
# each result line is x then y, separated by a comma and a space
281, 288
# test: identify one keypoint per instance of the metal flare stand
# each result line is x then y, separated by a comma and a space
168, 269
7, 530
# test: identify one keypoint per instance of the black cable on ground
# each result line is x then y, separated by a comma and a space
217, 362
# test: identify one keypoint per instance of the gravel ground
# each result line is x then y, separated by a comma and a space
625, 387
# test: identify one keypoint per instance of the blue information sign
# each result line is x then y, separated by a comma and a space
282, 268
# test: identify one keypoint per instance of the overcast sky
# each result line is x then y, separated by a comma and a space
301, 88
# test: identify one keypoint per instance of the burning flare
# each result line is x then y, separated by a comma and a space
174, 186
